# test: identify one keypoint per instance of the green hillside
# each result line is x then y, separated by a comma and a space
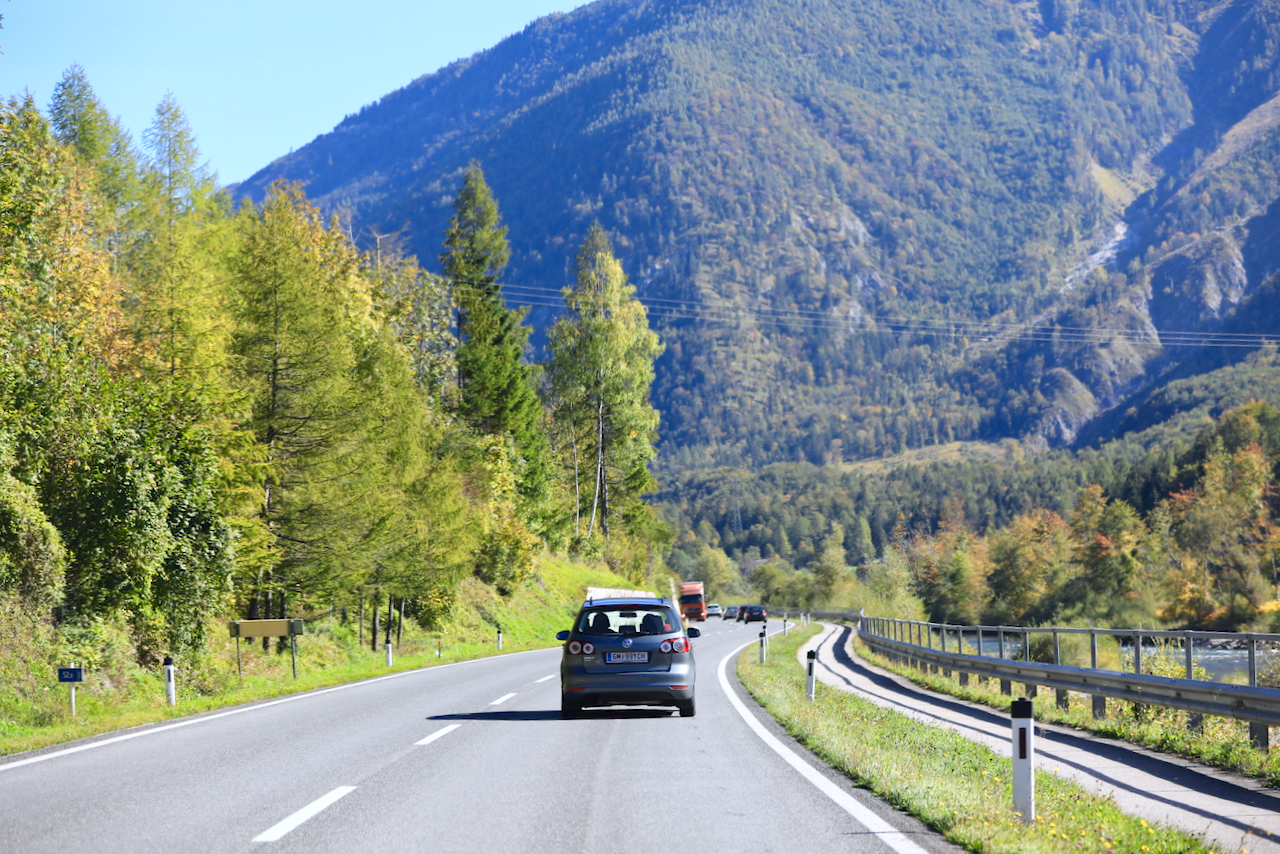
869, 226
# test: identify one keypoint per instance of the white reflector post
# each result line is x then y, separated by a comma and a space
170, 686
809, 686
1022, 718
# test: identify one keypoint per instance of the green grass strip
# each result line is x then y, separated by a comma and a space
959, 788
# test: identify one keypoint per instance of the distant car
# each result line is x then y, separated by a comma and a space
713, 610
742, 612
755, 614
730, 612
627, 652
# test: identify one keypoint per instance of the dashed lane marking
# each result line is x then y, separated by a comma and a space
443, 731
309, 811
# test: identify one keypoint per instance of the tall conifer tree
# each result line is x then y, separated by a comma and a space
101, 143
496, 391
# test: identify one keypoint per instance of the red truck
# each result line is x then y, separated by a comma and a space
693, 601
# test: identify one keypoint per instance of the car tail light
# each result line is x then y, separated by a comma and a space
665, 646
588, 648
679, 644
574, 647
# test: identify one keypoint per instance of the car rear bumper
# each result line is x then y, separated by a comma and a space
628, 689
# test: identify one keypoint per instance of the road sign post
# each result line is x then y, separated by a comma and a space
267, 629
71, 675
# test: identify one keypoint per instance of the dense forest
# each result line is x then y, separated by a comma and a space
212, 409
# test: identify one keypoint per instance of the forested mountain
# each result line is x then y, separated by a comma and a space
865, 227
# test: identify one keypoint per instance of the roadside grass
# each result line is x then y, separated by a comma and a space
35, 710
1220, 742
959, 788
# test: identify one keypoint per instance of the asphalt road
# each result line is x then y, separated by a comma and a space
470, 757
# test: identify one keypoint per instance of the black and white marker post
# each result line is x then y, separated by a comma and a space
762, 641
1022, 719
170, 686
810, 678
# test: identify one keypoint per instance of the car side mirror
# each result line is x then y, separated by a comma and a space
695, 633
562, 635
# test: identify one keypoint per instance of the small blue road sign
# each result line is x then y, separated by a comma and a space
70, 674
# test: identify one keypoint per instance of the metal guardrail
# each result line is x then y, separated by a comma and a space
942, 647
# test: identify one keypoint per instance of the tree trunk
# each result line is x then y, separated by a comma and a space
362, 620
400, 625
595, 500
377, 612
391, 600
577, 477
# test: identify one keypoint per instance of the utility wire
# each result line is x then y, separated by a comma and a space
978, 331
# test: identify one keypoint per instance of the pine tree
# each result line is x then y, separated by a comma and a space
496, 390
601, 372
101, 143
177, 297
296, 290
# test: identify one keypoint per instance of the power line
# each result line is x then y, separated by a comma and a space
978, 331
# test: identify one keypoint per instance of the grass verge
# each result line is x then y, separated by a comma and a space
960, 789
35, 710
1220, 742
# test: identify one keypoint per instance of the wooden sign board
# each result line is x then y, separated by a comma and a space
265, 628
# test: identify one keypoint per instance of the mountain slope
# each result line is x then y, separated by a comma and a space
861, 227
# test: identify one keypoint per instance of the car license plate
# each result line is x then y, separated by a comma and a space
626, 657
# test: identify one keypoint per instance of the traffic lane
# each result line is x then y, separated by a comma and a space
522, 779
222, 778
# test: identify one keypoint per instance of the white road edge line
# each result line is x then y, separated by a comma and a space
154, 730
545, 678
437, 734
502, 699
309, 811
884, 831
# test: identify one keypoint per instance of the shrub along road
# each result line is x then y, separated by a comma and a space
465, 757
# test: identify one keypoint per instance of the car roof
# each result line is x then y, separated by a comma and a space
631, 600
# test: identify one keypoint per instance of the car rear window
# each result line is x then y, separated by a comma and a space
601, 622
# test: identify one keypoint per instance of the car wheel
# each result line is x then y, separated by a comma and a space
686, 708
569, 709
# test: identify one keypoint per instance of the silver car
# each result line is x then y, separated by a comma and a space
627, 652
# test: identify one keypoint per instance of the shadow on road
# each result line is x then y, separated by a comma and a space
554, 715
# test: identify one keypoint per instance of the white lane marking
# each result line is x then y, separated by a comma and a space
886, 832
502, 699
291, 698
309, 811
437, 734
545, 678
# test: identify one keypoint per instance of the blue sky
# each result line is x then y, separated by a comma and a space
257, 78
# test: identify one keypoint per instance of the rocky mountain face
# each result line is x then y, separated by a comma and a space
862, 227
